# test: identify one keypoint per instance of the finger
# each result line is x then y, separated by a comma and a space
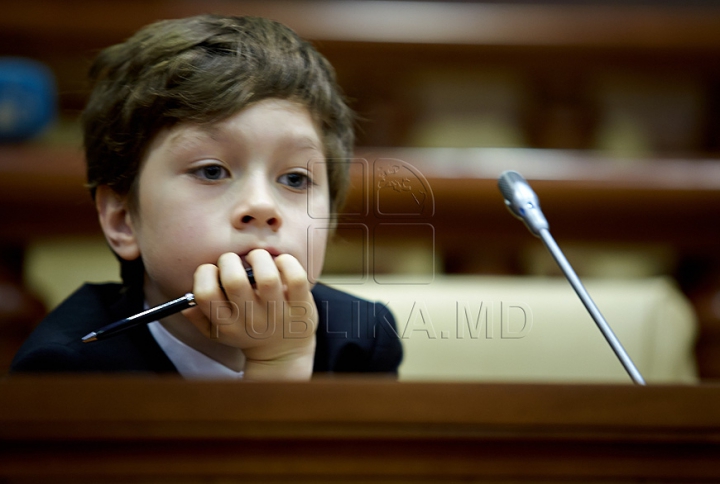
233, 278
208, 292
199, 320
293, 277
267, 276
301, 313
206, 287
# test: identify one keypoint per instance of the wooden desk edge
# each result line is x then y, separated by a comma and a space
94, 429
90, 407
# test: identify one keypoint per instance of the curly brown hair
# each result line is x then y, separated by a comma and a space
203, 69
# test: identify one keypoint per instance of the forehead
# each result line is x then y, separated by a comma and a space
279, 122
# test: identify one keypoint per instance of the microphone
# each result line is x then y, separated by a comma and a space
523, 203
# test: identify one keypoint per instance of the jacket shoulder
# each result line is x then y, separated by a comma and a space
354, 334
56, 344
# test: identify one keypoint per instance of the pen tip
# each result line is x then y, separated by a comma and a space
89, 337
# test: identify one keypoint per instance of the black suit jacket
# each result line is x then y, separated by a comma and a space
353, 335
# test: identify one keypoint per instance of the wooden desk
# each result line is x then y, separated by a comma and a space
128, 428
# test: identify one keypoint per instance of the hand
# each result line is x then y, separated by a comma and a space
274, 323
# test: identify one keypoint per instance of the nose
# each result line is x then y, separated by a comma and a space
257, 207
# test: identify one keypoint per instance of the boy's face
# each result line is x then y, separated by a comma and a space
244, 183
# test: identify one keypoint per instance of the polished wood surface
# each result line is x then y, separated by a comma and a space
585, 198
482, 23
380, 49
128, 428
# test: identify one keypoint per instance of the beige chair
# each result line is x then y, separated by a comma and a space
533, 329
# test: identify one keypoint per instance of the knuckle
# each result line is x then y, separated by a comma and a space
202, 292
233, 282
203, 270
284, 259
296, 281
228, 257
265, 284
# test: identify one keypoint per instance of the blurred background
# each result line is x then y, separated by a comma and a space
611, 109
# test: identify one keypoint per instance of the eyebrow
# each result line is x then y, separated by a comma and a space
201, 133
183, 139
304, 142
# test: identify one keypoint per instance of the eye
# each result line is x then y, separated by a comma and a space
211, 172
299, 181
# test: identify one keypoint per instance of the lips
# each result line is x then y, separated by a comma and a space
245, 263
271, 250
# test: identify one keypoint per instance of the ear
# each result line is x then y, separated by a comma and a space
116, 222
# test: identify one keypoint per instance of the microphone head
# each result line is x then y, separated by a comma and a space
507, 182
522, 201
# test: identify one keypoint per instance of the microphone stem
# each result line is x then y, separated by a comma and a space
591, 307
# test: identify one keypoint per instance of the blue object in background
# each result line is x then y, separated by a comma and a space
28, 99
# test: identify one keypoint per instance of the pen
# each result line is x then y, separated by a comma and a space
149, 315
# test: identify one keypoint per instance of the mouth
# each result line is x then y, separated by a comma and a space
271, 250
245, 263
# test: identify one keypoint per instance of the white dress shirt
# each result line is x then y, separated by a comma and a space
190, 363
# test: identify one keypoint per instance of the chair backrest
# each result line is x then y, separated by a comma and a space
536, 329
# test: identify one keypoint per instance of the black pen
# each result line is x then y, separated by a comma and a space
149, 315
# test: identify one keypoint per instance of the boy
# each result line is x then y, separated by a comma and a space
209, 142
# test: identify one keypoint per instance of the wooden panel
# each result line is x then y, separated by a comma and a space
133, 428
376, 46
585, 198
469, 23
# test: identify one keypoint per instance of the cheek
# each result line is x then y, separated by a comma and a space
316, 252
312, 255
170, 230
317, 231
170, 210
